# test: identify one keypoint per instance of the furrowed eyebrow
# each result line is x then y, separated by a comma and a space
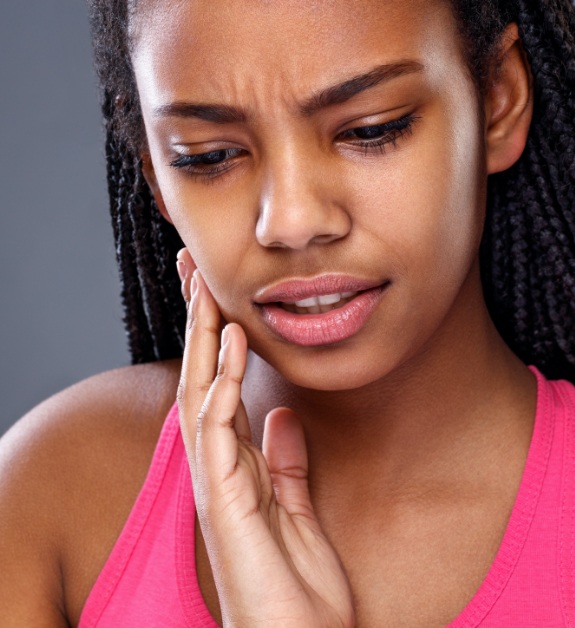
333, 95
342, 92
220, 114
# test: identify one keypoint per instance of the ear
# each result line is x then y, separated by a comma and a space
508, 104
150, 176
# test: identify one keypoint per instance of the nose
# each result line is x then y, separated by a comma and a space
298, 209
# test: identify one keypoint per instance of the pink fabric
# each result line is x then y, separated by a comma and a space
150, 576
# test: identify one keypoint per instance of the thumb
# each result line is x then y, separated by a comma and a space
285, 452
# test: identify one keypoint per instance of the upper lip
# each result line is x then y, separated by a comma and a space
302, 288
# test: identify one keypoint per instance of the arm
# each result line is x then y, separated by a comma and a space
31, 592
70, 472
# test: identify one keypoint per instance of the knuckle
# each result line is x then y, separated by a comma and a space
209, 418
182, 392
195, 325
211, 328
183, 387
225, 374
204, 387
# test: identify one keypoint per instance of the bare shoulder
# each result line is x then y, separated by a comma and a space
106, 421
70, 471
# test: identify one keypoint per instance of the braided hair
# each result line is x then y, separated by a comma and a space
528, 247
146, 244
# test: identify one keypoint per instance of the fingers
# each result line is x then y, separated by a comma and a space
212, 415
285, 451
200, 360
222, 417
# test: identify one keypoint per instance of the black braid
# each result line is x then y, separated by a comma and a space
120, 185
528, 252
146, 245
528, 249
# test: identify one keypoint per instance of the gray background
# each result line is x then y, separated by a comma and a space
60, 311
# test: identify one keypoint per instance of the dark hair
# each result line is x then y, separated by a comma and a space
528, 248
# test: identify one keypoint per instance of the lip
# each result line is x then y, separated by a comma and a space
309, 330
298, 289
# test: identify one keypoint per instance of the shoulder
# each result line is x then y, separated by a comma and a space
121, 409
70, 471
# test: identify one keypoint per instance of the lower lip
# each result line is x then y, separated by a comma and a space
312, 330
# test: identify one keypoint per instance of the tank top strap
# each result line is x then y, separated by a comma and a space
566, 546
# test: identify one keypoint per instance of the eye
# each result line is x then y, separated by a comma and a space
208, 164
377, 136
213, 157
369, 132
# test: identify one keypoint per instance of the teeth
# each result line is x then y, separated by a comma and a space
319, 304
308, 302
329, 299
325, 299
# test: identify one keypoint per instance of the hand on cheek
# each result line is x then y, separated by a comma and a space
270, 559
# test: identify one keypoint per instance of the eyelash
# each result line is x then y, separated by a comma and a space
206, 170
388, 133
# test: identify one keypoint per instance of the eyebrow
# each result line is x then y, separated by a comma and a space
338, 94
220, 114
333, 95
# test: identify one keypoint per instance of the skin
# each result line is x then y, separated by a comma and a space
381, 497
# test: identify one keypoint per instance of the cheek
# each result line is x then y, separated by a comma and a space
422, 211
217, 230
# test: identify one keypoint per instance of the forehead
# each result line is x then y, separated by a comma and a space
217, 47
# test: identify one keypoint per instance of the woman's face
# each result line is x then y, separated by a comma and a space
307, 149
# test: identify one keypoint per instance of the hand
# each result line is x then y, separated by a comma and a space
271, 562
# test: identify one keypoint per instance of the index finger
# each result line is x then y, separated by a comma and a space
200, 360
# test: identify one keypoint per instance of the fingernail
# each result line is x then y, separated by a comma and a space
191, 300
225, 336
182, 269
224, 344
194, 285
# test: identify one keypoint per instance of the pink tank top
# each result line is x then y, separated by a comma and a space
150, 577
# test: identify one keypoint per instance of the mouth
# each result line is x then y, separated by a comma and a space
320, 291
318, 304
319, 311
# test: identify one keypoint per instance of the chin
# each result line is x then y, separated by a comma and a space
333, 373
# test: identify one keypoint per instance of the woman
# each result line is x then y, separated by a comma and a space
326, 167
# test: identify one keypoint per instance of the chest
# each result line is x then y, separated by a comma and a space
416, 567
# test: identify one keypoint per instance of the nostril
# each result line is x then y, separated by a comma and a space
277, 245
297, 218
325, 238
